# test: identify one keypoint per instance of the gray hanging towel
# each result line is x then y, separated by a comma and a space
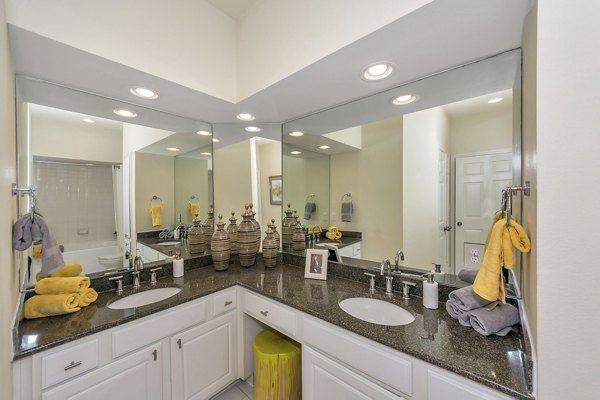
309, 208
28, 230
347, 210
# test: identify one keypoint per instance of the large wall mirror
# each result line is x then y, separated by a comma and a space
97, 173
247, 160
423, 164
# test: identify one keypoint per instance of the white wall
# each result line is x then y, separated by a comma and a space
425, 132
483, 131
56, 138
568, 211
10, 274
269, 164
194, 46
136, 137
191, 178
374, 177
289, 35
232, 179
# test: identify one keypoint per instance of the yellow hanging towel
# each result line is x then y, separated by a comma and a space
156, 211
489, 282
194, 209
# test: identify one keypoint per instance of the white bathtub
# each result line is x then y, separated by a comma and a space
86, 256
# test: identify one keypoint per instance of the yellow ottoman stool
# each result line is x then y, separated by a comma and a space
277, 367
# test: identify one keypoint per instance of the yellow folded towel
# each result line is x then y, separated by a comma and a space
37, 251
46, 305
86, 297
489, 282
194, 209
156, 211
62, 285
68, 270
333, 233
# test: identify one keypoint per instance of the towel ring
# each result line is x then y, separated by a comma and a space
349, 195
510, 190
156, 199
309, 196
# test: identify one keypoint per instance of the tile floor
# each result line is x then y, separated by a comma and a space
239, 391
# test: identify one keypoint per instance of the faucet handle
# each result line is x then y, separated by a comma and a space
371, 282
119, 279
153, 275
406, 289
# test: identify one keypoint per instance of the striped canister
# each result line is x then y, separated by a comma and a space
288, 225
298, 240
270, 248
276, 234
220, 247
257, 227
232, 232
247, 240
208, 226
196, 240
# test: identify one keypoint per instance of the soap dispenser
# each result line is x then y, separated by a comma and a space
430, 293
177, 266
438, 275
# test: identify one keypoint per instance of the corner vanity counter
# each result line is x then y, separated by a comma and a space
433, 357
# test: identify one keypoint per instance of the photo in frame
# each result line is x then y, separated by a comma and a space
275, 190
316, 264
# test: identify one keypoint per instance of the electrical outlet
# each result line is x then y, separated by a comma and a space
473, 254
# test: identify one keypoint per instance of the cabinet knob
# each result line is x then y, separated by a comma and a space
155, 354
264, 313
459, 223
228, 302
179, 343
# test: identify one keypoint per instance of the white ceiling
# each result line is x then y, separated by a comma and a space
437, 36
233, 8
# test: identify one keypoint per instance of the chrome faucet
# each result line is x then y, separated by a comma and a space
138, 266
385, 265
399, 257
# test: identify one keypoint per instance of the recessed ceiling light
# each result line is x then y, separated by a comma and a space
324, 147
296, 133
125, 113
88, 120
172, 149
404, 99
295, 152
377, 71
245, 117
252, 129
204, 133
215, 140
205, 153
144, 93
495, 100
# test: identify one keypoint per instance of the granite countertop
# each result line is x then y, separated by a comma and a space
501, 363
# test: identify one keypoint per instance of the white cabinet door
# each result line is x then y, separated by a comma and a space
324, 379
204, 358
136, 377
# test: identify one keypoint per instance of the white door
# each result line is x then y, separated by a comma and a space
443, 213
479, 183
204, 358
324, 379
135, 377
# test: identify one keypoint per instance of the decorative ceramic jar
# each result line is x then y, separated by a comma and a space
287, 229
208, 225
220, 247
196, 240
298, 240
276, 234
247, 240
232, 231
257, 227
270, 247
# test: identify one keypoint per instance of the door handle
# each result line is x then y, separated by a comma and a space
447, 228
459, 223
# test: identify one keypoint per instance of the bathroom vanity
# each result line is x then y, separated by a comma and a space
194, 344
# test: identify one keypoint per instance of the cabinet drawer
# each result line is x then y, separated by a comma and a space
381, 365
155, 327
67, 363
269, 312
224, 302
443, 386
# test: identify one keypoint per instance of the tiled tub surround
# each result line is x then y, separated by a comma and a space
500, 363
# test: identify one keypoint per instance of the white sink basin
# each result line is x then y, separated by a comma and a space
144, 298
376, 311
171, 243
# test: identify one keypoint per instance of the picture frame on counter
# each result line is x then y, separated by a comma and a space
334, 253
316, 264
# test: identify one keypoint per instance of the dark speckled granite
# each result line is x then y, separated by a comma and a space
434, 337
